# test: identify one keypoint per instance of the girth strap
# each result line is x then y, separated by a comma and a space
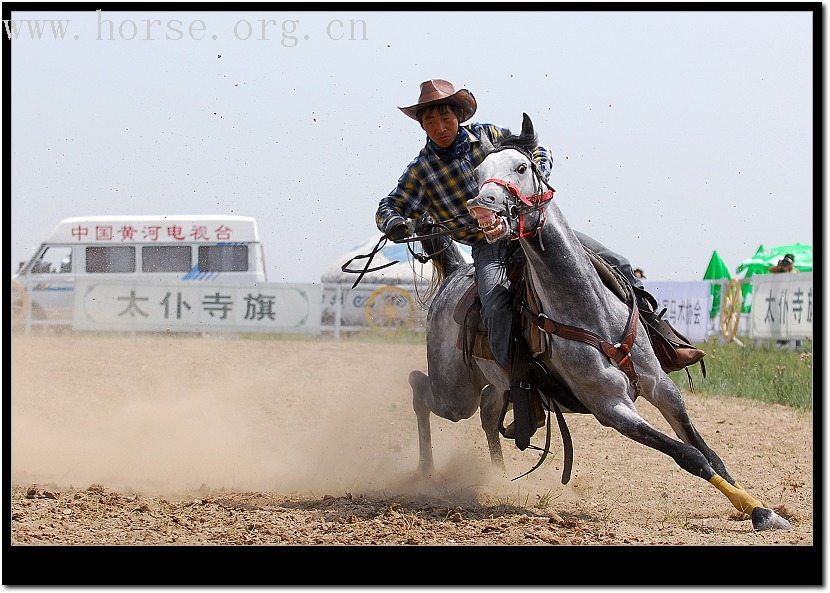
619, 353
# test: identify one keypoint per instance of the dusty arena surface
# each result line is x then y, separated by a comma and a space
191, 440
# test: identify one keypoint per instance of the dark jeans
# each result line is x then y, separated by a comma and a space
496, 299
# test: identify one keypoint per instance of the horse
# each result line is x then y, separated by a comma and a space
571, 293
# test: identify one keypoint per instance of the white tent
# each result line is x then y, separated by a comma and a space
407, 271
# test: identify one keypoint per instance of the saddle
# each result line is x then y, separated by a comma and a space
472, 335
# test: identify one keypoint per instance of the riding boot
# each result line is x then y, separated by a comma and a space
537, 416
673, 349
526, 400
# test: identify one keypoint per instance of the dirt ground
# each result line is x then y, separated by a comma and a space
182, 440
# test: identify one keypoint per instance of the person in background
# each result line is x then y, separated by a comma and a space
638, 273
785, 265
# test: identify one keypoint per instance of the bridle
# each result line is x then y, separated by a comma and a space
525, 205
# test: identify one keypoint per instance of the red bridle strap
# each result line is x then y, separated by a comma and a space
529, 200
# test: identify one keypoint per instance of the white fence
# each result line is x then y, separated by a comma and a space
781, 307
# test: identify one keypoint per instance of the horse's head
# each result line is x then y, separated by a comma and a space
510, 198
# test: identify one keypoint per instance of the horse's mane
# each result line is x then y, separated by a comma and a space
525, 144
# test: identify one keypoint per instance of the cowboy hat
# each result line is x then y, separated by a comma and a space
436, 92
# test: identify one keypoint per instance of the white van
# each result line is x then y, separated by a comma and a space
198, 248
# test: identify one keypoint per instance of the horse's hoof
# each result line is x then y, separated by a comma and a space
763, 519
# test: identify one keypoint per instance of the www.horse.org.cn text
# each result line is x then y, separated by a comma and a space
287, 32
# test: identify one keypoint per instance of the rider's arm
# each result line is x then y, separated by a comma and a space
404, 202
543, 158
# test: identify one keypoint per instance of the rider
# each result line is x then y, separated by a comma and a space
440, 181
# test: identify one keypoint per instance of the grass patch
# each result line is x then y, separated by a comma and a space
765, 372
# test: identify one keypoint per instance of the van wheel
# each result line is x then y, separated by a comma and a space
20, 302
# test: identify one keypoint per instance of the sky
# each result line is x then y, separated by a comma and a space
674, 134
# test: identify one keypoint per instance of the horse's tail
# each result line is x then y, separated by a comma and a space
444, 264
444, 254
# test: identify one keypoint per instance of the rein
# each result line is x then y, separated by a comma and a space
382, 243
531, 203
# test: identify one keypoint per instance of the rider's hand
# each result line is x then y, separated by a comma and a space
399, 232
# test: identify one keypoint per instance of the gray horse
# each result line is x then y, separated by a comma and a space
570, 292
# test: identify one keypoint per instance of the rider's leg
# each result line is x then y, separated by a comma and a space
496, 299
497, 312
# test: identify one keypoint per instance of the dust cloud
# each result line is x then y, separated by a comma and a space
175, 414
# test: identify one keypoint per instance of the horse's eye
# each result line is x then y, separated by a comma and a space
521, 168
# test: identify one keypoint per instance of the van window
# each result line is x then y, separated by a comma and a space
223, 258
53, 260
165, 258
104, 260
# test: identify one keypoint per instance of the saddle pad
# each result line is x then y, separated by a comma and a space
472, 337
468, 315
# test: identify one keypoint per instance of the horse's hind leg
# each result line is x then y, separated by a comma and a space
668, 399
421, 397
490, 411
623, 416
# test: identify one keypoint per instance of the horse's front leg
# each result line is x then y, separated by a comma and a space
421, 403
666, 397
623, 416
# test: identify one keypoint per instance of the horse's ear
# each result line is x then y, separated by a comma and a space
485, 143
527, 126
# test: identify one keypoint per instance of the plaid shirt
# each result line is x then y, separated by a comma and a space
440, 181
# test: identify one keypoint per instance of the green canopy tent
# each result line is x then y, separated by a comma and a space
716, 270
765, 258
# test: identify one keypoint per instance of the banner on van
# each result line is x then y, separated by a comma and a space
183, 306
155, 229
